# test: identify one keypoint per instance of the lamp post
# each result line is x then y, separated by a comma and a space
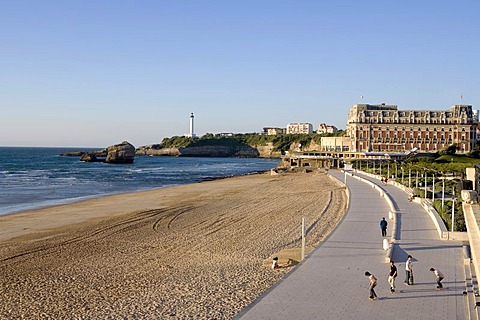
402, 174
433, 188
425, 184
443, 192
453, 210
416, 181
409, 177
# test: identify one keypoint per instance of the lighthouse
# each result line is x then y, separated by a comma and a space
192, 134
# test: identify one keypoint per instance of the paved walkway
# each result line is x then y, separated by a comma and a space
330, 283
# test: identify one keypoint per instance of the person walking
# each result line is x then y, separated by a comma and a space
408, 271
383, 226
373, 284
392, 274
439, 277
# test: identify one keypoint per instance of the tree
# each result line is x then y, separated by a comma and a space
451, 149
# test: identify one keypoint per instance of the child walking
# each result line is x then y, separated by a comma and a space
373, 284
392, 274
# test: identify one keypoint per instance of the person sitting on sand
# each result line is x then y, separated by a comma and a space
275, 263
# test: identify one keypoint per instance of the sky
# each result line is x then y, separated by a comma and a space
94, 73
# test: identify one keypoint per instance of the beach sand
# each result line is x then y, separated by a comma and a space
194, 251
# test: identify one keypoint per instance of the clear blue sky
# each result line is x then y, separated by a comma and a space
94, 73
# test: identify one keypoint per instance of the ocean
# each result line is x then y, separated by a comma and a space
33, 178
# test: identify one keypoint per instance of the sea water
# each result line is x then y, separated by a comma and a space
38, 177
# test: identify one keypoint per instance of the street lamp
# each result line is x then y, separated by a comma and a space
409, 177
443, 191
425, 184
433, 188
453, 210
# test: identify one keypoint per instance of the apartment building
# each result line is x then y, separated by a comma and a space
384, 128
271, 131
299, 128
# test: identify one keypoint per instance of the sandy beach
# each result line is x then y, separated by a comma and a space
194, 251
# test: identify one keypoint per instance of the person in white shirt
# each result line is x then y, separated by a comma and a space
439, 277
408, 271
275, 263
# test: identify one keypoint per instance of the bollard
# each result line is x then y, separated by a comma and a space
385, 244
390, 215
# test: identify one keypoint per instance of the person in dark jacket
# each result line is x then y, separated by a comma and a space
383, 226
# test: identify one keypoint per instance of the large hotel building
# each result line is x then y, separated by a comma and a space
384, 128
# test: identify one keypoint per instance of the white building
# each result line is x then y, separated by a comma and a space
325, 128
271, 131
299, 128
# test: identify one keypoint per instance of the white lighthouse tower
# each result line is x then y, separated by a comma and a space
192, 133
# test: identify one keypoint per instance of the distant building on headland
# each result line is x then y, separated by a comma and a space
384, 128
325, 128
192, 133
299, 128
271, 131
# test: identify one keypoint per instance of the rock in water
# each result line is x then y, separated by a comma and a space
120, 153
88, 157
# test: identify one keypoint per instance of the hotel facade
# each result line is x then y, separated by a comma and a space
384, 128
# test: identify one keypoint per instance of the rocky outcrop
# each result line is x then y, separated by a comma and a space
266, 151
312, 146
156, 150
121, 153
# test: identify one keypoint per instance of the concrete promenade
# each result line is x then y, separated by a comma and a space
330, 283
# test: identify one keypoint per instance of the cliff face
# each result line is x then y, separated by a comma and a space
222, 148
152, 150
266, 151
313, 146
